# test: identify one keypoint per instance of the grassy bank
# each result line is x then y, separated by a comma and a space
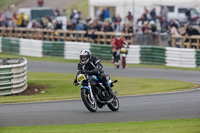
60, 87
82, 6
160, 126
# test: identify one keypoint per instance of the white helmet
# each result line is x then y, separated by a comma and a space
85, 56
118, 35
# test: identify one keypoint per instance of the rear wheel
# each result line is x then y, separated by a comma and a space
114, 105
89, 102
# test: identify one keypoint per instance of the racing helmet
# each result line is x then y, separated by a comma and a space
85, 56
118, 35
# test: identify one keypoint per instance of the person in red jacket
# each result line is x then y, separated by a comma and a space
117, 42
40, 3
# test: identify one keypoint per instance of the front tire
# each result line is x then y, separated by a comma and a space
123, 62
114, 105
89, 102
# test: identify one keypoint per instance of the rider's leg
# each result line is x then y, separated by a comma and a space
102, 79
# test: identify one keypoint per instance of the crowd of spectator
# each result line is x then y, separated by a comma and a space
103, 21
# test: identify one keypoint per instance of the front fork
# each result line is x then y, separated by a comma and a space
91, 98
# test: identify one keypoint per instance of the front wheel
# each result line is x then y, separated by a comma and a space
114, 105
123, 62
89, 102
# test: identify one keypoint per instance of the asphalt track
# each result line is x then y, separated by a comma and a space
132, 108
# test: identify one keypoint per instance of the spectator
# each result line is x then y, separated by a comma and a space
188, 14
40, 3
64, 12
107, 27
79, 26
129, 17
72, 14
163, 12
150, 27
95, 26
107, 13
70, 26
102, 16
117, 20
164, 25
173, 31
153, 15
57, 12
98, 14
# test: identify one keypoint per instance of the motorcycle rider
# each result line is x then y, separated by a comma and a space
117, 42
91, 65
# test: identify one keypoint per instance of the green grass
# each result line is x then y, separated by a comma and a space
82, 6
106, 63
159, 126
60, 87
4, 2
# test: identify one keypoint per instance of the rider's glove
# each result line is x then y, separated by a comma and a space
75, 81
83, 71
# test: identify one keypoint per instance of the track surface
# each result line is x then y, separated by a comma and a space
190, 76
132, 108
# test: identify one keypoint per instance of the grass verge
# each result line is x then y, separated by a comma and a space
106, 63
60, 87
82, 6
159, 126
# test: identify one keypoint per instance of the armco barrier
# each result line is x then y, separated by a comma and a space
180, 57
155, 55
72, 49
10, 45
133, 56
103, 52
29, 47
51, 48
198, 57
13, 75
152, 55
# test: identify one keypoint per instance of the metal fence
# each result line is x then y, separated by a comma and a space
13, 75
154, 39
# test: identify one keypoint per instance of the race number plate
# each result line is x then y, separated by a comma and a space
81, 78
123, 50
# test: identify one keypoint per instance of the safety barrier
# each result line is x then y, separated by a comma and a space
10, 45
186, 41
155, 55
62, 35
179, 57
198, 57
133, 56
30, 47
51, 48
103, 52
72, 49
13, 75
152, 55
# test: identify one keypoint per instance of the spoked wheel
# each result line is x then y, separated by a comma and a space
123, 62
114, 105
89, 102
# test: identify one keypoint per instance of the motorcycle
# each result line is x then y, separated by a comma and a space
94, 94
121, 56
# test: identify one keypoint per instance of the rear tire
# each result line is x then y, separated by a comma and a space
114, 105
89, 102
